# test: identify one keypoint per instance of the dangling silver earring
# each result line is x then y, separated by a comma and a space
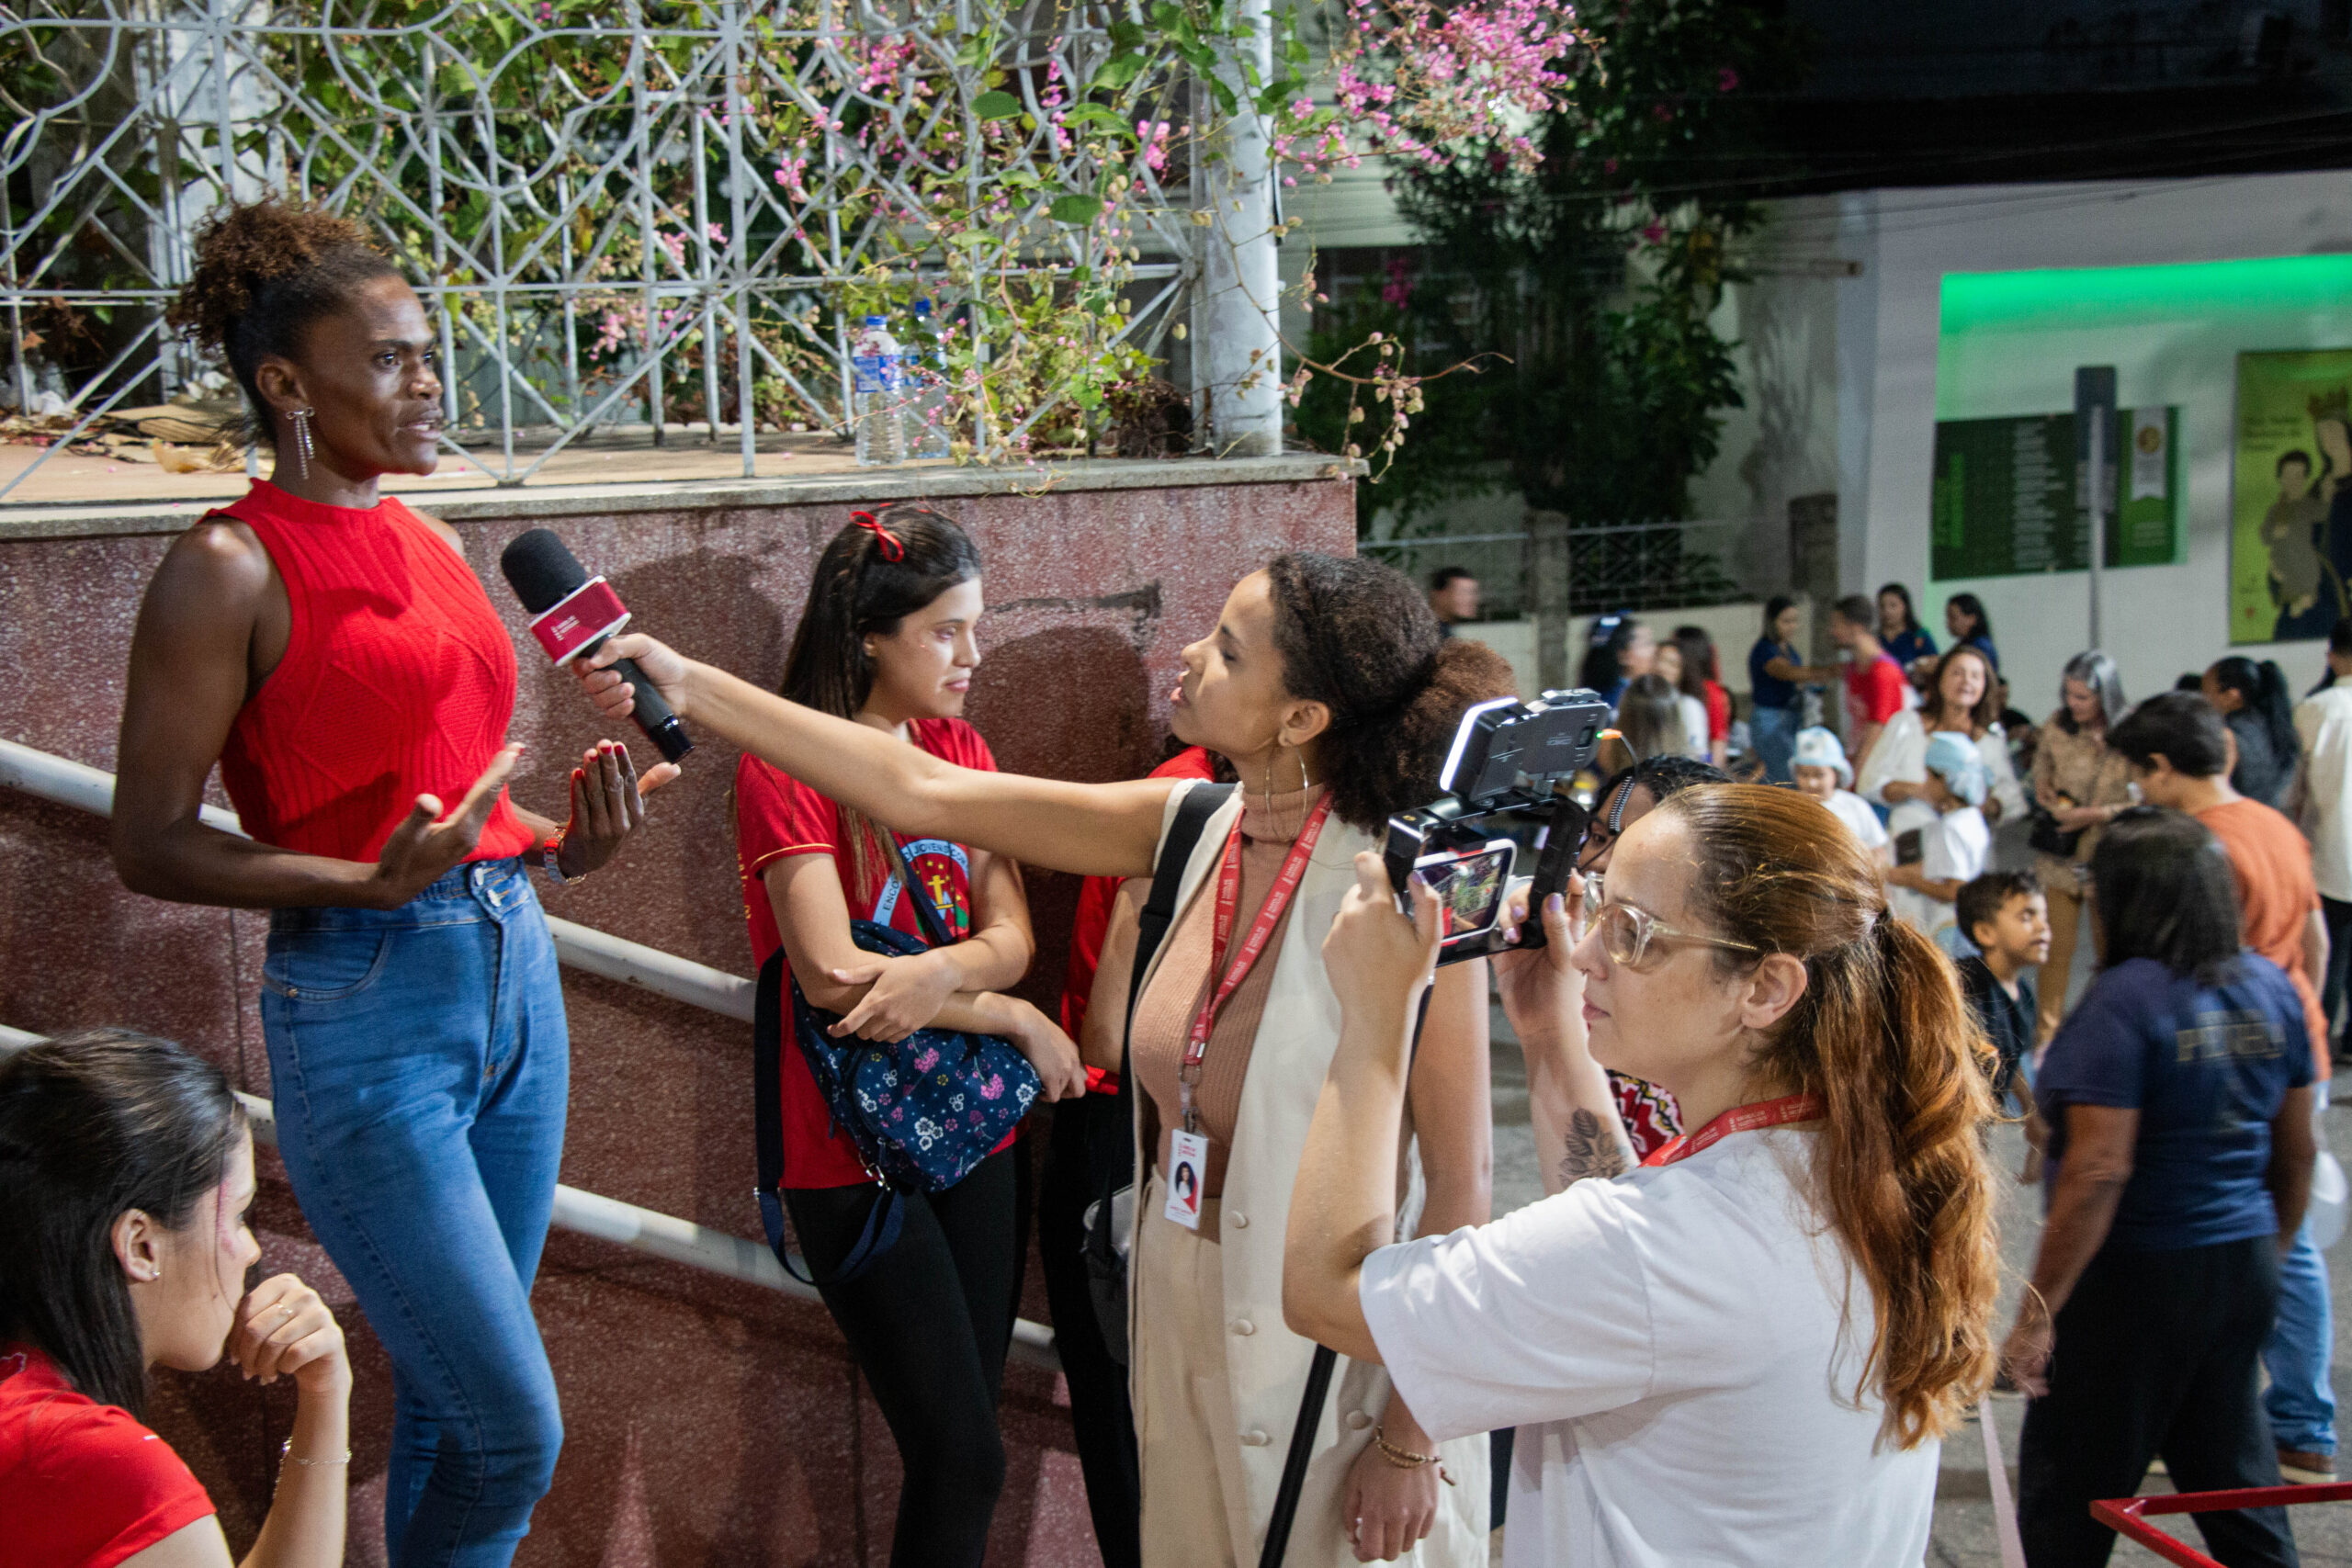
301, 418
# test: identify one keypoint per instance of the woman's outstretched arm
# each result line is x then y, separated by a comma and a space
1105, 830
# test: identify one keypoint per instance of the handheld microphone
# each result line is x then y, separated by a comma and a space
572, 613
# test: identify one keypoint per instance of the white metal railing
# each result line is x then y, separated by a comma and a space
89, 789
630, 211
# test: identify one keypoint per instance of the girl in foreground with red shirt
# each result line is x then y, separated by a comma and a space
886, 640
126, 1169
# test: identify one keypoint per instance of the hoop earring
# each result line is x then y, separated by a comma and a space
301, 418
1304, 784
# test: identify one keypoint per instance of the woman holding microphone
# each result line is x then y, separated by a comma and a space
1745, 1350
1327, 687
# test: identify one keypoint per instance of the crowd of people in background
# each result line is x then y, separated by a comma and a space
2200, 844
1767, 1034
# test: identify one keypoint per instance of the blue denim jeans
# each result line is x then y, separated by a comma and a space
2301, 1398
420, 1065
1773, 732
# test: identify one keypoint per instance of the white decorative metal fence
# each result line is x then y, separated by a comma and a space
657, 213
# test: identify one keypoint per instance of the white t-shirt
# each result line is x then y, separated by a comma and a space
1669, 1345
1694, 725
1901, 752
2323, 722
1954, 845
1855, 813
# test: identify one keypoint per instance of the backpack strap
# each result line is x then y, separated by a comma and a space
768, 1045
1110, 1130
932, 924
1193, 813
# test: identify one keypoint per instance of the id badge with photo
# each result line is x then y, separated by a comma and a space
1188, 1164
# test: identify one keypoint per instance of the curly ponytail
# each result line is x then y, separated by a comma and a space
1360, 638
265, 271
1884, 1037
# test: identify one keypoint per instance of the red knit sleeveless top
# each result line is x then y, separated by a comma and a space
398, 681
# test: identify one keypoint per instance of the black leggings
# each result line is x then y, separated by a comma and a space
2338, 915
929, 1324
1102, 1421
2156, 1354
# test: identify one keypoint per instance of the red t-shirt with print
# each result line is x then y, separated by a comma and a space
81, 1485
776, 816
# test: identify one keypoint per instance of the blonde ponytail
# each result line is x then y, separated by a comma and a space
1884, 1037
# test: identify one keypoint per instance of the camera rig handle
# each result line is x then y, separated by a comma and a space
1563, 842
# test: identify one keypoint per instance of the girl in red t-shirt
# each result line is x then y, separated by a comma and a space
126, 1169
886, 640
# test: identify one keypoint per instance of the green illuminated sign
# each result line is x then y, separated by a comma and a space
2076, 298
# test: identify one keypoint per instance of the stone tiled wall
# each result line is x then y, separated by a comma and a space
709, 1423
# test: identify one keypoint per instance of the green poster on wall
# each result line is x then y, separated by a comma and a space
2004, 501
2291, 496
2004, 497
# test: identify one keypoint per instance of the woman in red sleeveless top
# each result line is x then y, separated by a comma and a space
333, 653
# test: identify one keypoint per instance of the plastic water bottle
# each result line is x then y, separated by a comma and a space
877, 378
928, 414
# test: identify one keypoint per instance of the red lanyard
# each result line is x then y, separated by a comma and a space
1269, 914
1738, 1119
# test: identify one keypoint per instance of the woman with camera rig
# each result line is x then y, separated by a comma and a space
1328, 686
1745, 1350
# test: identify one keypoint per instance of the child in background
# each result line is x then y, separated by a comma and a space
1818, 763
2004, 914
1952, 847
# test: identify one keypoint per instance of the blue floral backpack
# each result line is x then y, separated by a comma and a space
922, 1111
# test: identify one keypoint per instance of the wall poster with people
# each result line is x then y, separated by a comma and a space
2291, 496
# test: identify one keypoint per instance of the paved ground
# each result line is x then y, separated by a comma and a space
1963, 1534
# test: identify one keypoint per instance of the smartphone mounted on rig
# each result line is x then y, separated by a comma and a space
1508, 778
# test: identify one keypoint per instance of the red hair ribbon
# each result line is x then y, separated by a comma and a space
883, 540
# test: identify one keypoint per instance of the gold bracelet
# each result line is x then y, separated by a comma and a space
286, 1454
1403, 1459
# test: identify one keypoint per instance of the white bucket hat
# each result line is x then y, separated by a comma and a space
1819, 748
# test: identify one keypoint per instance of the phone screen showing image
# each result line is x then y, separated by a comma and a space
1470, 887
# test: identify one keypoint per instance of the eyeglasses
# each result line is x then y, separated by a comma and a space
1627, 932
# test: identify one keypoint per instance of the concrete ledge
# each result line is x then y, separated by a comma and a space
97, 520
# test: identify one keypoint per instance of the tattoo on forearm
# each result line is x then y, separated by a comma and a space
1594, 1148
